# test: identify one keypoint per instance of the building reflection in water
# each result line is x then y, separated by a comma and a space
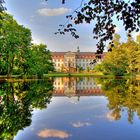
76, 87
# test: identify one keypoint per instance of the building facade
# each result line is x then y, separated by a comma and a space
76, 87
71, 61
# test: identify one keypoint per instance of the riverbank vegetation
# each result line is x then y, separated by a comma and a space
122, 58
18, 56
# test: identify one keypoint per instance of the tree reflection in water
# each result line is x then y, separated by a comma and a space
17, 101
122, 94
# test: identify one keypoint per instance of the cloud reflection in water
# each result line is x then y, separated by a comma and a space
110, 116
53, 133
80, 124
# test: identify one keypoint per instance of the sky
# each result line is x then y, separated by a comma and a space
43, 19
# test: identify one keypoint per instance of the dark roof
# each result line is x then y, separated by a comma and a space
58, 53
78, 54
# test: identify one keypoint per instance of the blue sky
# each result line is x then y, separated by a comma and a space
43, 18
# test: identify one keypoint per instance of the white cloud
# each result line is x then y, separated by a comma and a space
38, 41
53, 12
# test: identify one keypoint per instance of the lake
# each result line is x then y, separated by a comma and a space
70, 108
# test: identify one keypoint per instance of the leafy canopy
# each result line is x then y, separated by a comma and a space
102, 13
122, 59
18, 54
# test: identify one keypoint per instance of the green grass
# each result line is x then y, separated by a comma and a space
96, 74
72, 74
58, 74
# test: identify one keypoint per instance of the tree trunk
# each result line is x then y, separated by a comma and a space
11, 68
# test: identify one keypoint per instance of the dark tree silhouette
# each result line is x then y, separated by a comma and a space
2, 8
102, 12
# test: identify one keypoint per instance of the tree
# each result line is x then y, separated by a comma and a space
40, 60
14, 41
115, 42
138, 39
18, 54
88, 69
123, 59
102, 13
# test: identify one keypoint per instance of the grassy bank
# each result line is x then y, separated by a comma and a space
19, 77
75, 75
97, 74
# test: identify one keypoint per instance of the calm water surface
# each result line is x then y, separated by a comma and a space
70, 108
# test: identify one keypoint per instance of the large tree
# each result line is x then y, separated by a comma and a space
14, 41
123, 59
18, 54
39, 61
102, 13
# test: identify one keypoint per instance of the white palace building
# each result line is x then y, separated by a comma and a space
70, 61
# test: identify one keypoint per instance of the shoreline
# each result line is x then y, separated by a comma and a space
53, 75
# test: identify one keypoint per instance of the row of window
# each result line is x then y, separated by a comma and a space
78, 88
78, 60
84, 60
57, 60
80, 83
72, 65
88, 87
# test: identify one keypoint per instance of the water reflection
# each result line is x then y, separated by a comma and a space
121, 94
70, 108
80, 124
76, 87
53, 134
17, 101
